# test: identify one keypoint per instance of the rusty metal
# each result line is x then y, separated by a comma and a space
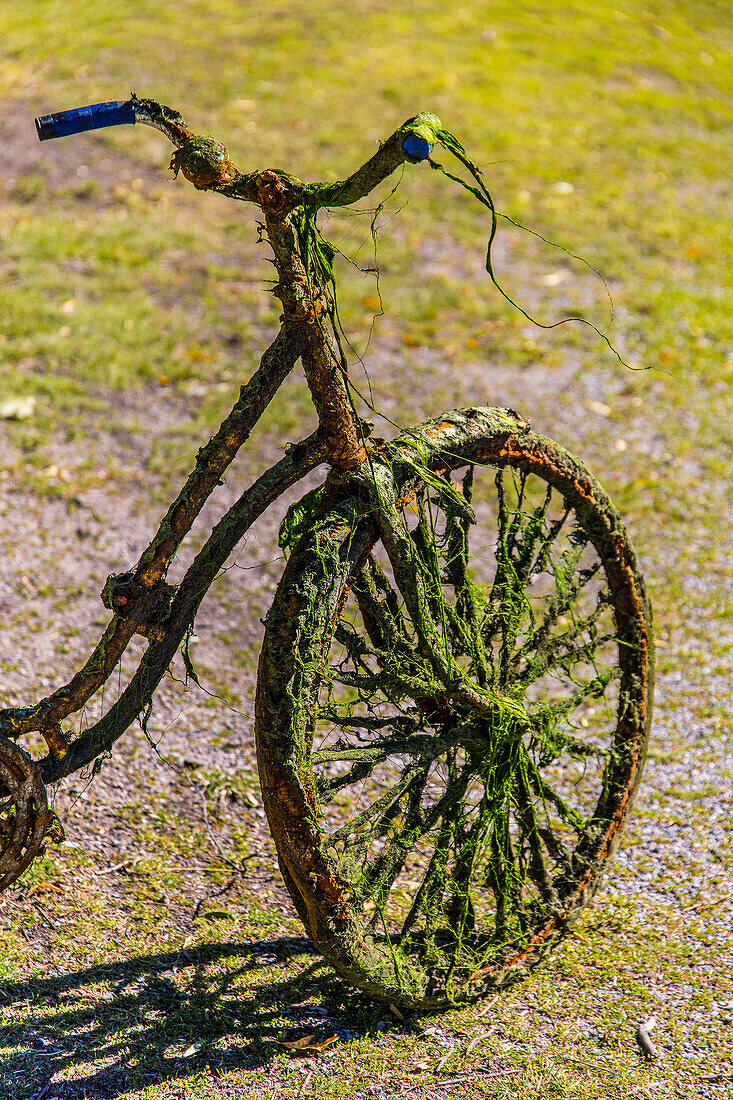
204, 162
24, 813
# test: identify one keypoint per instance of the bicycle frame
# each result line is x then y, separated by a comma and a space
462, 769
140, 600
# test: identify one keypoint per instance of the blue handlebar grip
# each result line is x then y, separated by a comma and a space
416, 148
118, 112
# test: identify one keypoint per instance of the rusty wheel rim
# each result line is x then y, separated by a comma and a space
24, 813
296, 672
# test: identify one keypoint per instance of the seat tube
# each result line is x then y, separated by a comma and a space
335, 414
303, 305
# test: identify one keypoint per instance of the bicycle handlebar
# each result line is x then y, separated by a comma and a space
116, 112
412, 142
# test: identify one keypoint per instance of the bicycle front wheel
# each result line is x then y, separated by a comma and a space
453, 706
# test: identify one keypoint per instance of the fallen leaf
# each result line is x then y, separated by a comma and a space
193, 1049
554, 278
299, 1044
599, 407
124, 866
57, 471
198, 354
643, 1037
17, 408
308, 1044
46, 886
396, 1012
324, 1043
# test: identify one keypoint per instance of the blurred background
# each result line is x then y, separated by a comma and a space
133, 307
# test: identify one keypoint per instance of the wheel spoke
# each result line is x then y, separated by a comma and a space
537, 868
367, 756
466, 617
460, 909
546, 793
556, 607
504, 879
400, 835
545, 719
372, 819
381, 609
507, 595
426, 904
560, 650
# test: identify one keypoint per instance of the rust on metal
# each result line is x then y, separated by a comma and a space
204, 162
272, 193
55, 739
434, 430
24, 813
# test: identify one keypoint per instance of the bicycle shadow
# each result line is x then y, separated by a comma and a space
160, 1018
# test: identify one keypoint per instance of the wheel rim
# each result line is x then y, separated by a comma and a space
24, 813
466, 800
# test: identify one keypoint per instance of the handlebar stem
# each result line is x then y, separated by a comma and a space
206, 163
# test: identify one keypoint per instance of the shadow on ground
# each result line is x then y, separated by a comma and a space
157, 1019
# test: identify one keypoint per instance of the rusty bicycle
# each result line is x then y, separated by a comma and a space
455, 685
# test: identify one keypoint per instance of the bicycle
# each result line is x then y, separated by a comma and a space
455, 686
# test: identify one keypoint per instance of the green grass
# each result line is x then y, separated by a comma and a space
123, 291
629, 105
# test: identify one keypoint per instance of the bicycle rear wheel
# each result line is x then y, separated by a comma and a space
25, 818
453, 706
